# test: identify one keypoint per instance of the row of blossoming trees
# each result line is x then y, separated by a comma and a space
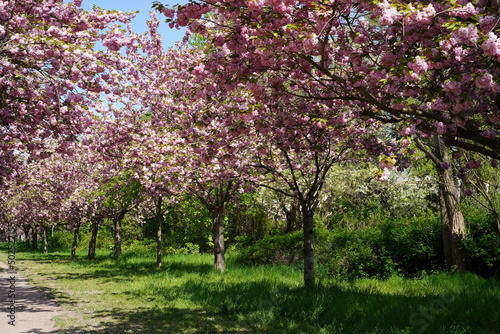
98, 121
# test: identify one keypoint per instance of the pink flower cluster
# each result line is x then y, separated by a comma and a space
491, 46
467, 36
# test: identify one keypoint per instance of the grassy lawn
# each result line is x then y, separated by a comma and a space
130, 295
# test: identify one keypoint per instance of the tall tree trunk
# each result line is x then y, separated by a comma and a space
159, 223
34, 238
74, 246
307, 225
452, 218
453, 222
94, 228
445, 231
26, 230
117, 221
45, 243
218, 239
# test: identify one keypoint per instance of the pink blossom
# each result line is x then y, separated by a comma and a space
382, 176
255, 4
447, 44
389, 14
419, 66
494, 163
440, 127
452, 87
466, 11
488, 22
484, 81
490, 134
408, 131
467, 36
491, 46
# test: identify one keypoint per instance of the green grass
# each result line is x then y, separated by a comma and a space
130, 295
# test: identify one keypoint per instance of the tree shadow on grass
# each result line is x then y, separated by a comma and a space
157, 321
268, 307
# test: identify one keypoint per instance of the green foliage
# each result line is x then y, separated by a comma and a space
406, 247
60, 240
188, 222
353, 254
483, 243
188, 248
105, 239
146, 245
414, 244
274, 249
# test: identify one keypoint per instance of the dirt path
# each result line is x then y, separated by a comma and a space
23, 309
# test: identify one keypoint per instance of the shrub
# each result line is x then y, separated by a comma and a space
60, 240
406, 246
483, 245
353, 254
414, 244
285, 248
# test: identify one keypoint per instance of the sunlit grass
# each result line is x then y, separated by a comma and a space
186, 295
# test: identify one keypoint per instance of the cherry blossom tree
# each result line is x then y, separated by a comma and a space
181, 133
433, 66
430, 68
55, 61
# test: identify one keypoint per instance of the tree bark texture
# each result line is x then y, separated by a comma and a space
117, 222
218, 240
307, 223
74, 246
34, 238
45, 242
159, 223
453, 223
94, 228
452, 219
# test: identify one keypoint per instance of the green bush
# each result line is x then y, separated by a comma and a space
60, 240
406, 246
146, 245
353, 254
483, 245
414, 244
285, 248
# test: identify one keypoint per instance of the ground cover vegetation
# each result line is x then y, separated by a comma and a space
357, 140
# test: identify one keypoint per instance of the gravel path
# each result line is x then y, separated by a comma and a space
23, 309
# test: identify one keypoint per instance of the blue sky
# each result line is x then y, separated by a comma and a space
170, 36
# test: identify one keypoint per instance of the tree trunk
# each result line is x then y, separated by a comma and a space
159, 222
27, 235
75, 240
45, 243
292, 223
452, 218
117, 221
94, 228
307, 225
445, 231
218, 239
453, 223
34, 238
